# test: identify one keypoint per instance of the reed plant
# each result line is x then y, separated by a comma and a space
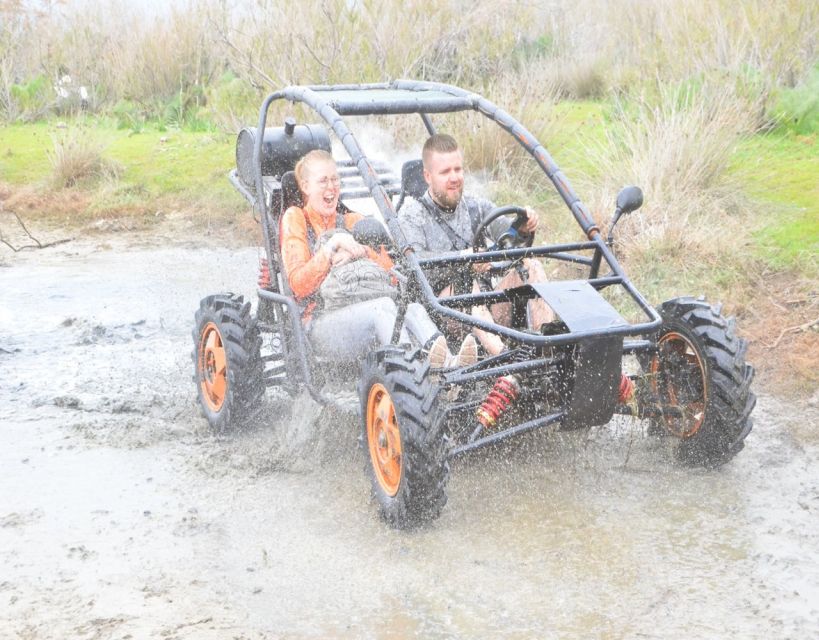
585, 48
77, 157
696, 219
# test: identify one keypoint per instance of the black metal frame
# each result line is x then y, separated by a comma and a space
425, 98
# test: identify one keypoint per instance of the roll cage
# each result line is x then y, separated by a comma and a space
569, 299
332, 102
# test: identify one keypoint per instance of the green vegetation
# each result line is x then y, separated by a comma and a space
156, 161
31, 96
777, 171
114, 173
781, 173
796, 109
712, 108
23, 152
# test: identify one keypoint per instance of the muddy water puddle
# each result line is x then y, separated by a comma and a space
122, 516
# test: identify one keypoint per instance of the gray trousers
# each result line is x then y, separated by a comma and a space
349, 333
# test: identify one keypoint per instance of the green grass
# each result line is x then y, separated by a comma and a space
780, 171
581, 124
174, 162
156, 163
23, 147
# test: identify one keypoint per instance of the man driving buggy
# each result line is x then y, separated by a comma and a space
444, 220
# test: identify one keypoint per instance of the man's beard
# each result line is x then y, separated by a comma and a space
446, 201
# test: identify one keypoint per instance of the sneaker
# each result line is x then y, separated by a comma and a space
467, 354
439, 354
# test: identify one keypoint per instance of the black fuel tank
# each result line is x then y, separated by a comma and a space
281, 148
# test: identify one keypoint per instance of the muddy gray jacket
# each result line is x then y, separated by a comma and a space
428, 237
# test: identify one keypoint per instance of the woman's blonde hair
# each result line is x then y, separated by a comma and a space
302, 169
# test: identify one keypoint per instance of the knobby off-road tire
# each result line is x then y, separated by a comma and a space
403, 436
701, 368
228, 369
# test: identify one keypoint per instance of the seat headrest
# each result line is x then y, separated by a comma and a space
291, 195
412, 179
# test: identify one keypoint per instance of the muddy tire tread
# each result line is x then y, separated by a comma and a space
729, 399
425, 471
245, 371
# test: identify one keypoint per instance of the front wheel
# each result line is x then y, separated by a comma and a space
228, 369
700, 379
403, 436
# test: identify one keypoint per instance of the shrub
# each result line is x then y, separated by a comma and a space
797, 109
129, 115
33, 98
232, 103
77, 158
677, 150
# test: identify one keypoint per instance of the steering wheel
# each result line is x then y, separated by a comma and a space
512, 238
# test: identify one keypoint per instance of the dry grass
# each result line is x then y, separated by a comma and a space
694, 220
784, 333
583, 47
529, 96
78, 158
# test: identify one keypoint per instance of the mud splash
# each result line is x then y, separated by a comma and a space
121, 515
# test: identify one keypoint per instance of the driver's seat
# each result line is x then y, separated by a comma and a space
412, 181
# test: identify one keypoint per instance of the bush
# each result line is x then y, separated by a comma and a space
232, 103
185, 110
797, 109
129, 115
77, 158
677, 149
32, 98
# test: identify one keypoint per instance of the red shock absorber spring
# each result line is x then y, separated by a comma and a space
503, 394
264, 274
626, 389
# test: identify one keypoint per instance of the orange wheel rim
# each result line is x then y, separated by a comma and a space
384, 439
212, 367
680, 383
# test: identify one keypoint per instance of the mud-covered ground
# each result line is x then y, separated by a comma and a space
121, 516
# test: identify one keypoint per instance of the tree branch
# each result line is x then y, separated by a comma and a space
37, 244
793, 329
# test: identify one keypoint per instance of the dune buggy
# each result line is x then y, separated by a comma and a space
690, 381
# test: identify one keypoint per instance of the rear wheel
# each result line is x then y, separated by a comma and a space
228, 368
700, 376
403, 436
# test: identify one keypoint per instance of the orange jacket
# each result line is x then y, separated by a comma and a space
305, 272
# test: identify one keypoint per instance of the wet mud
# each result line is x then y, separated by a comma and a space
122, 516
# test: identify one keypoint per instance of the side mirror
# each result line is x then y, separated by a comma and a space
629, 199
370, 232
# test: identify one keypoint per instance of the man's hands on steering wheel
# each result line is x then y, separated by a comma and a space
532, 220
521, 233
